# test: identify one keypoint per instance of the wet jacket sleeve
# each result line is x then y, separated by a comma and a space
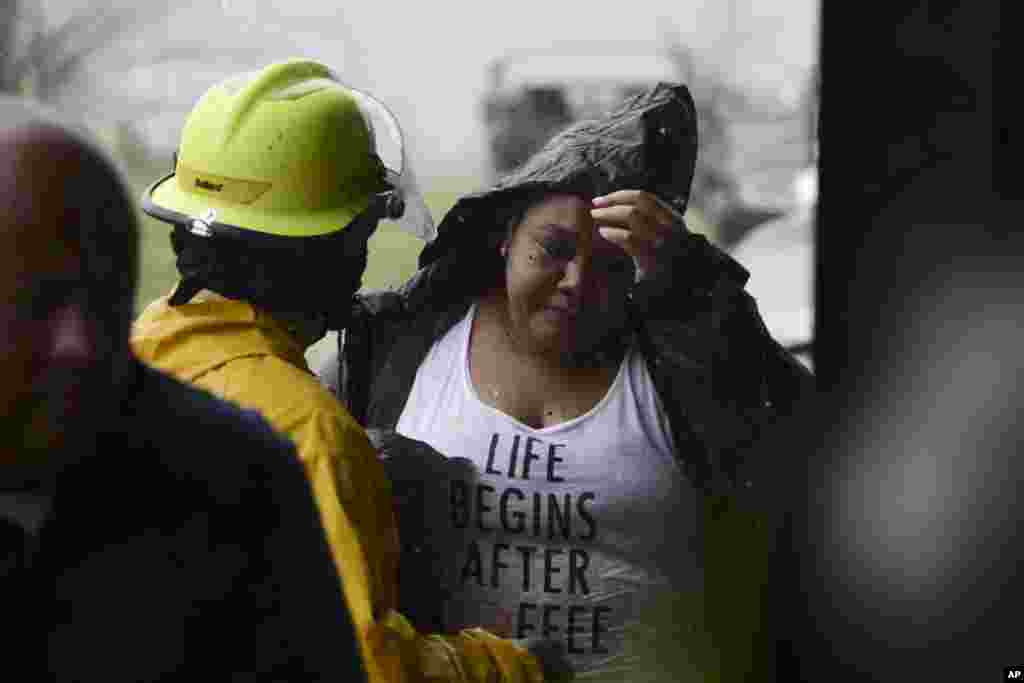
356, 505
291, 609
710, 347
694, 311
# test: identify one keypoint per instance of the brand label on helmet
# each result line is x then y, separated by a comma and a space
207, 185
235, 190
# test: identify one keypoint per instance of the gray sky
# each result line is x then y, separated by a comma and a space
427, 61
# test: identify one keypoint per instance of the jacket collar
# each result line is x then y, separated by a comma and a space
194, 338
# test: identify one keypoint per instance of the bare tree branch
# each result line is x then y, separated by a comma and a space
53, 57
8, 36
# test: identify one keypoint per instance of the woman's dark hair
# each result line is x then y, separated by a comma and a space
511, 215
505, 219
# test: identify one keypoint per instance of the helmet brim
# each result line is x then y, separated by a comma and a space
165, 201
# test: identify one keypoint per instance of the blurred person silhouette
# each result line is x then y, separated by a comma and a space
609, 379
904, 544
279, 181
907, 515
130, 550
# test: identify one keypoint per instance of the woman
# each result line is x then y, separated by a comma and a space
602, 369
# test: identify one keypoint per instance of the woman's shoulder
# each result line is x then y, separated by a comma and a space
431, 291
427, 305
404, 301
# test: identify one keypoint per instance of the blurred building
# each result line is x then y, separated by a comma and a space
780, 257
755, 140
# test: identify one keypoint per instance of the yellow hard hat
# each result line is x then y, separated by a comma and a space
286, 151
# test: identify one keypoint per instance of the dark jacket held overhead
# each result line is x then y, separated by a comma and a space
722, 378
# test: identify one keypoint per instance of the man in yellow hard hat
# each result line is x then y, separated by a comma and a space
126, 552
279, 182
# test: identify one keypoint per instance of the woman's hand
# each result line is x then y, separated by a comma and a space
639, 223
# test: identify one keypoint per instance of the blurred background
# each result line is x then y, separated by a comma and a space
909, 499
477, 87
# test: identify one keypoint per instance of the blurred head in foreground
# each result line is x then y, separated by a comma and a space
68, 271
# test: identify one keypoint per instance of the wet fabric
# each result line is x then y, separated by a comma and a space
700, 331
246, 356
559, 528
648, 143
160, 561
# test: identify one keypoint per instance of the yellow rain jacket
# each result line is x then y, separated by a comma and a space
243, 355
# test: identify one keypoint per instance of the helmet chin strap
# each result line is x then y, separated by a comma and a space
186, 289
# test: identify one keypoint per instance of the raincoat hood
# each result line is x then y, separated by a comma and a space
648, 143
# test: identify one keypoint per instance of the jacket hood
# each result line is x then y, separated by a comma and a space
648, 143
190, 340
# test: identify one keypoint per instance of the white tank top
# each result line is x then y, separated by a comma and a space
570, 530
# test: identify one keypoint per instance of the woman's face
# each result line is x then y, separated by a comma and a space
566, 285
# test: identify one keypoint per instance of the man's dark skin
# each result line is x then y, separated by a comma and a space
51, 349
149, 531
